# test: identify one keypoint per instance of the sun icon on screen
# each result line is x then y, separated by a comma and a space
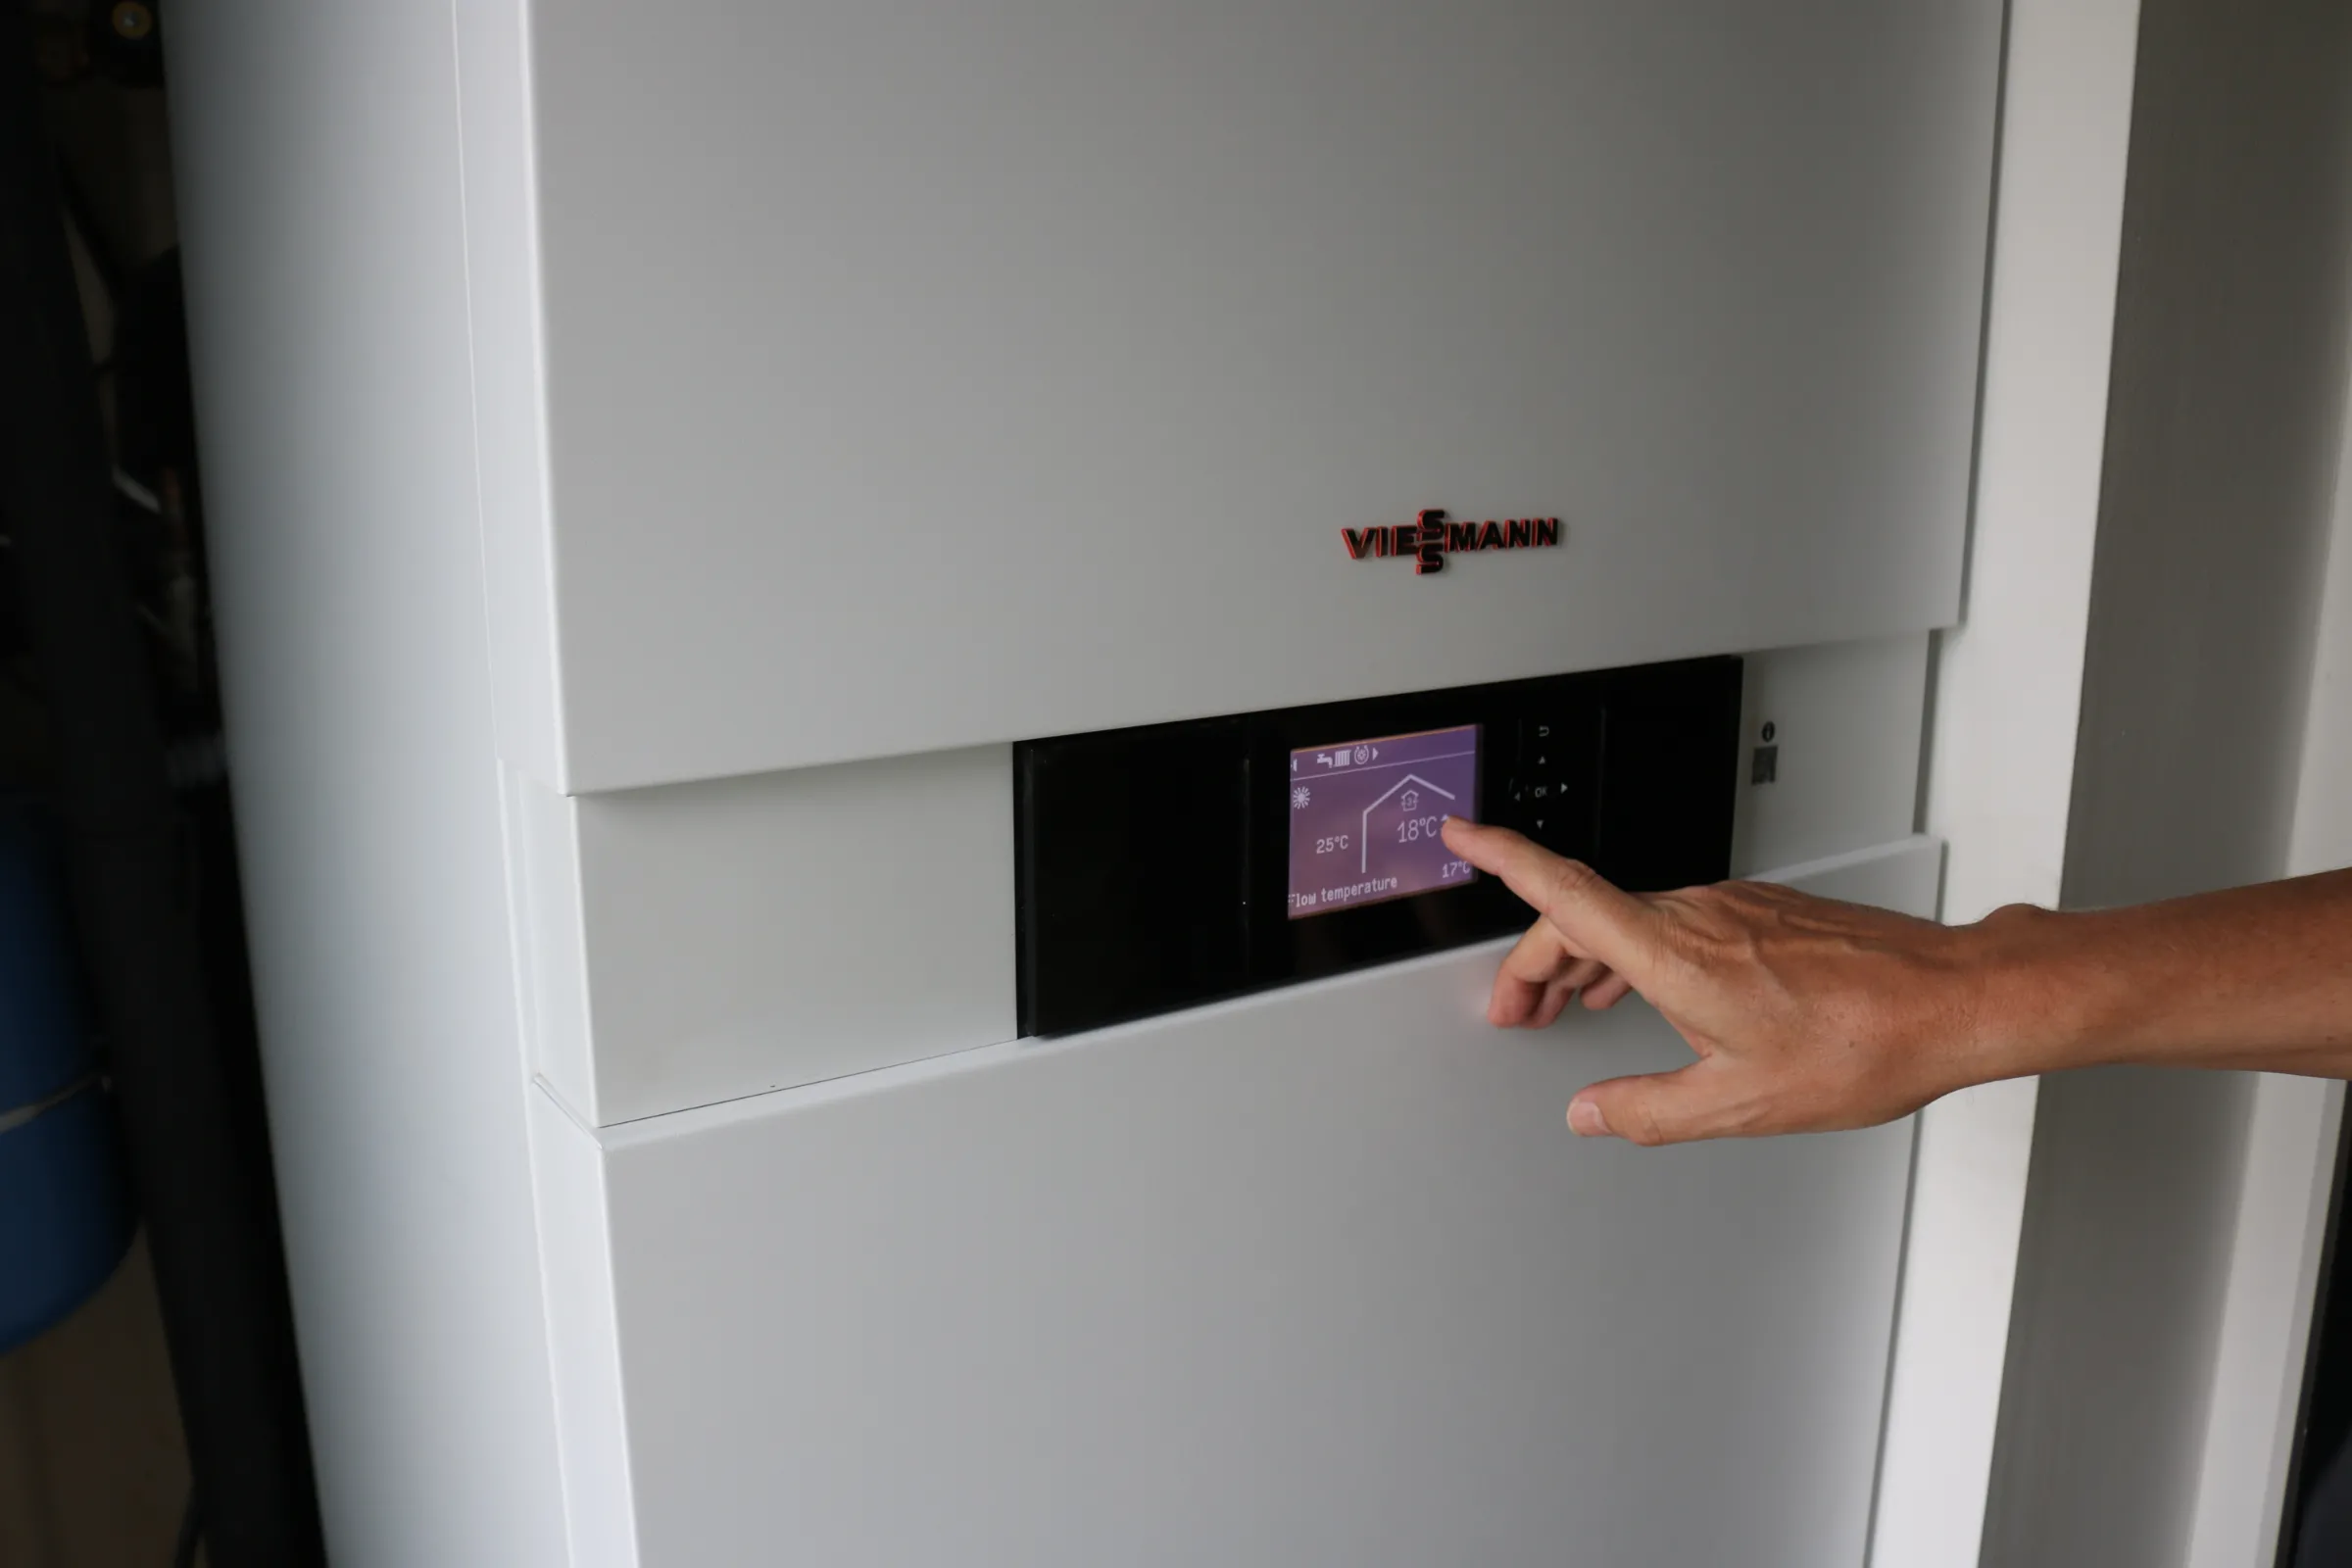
1299, 799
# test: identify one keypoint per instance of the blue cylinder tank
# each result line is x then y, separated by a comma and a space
65, 1209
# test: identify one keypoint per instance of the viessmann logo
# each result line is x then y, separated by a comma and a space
1431, 538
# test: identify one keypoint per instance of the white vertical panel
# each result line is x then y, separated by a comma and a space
499, 171
2007, 697
2322, 832
575, 1255
316, 155
2290, 1149
2257, 1389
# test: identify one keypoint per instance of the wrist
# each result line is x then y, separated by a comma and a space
2037, 989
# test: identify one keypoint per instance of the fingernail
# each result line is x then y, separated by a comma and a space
1586, 1120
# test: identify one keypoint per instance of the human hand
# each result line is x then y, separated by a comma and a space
1806, 1015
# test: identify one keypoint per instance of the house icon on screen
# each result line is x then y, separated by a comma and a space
1411, 785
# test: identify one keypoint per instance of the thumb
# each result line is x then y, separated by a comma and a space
1599, 918
1659, 1107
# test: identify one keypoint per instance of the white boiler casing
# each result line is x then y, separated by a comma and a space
835, 397
862, 380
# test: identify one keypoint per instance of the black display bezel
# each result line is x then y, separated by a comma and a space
1119, 916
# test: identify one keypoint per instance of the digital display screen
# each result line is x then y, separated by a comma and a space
1364, 818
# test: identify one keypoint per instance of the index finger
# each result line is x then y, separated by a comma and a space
1595, 918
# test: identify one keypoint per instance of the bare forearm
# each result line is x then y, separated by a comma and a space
1804, 1015
2256, 977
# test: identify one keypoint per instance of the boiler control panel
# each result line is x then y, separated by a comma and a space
1171, 865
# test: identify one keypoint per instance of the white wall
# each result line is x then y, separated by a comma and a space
2222, 443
